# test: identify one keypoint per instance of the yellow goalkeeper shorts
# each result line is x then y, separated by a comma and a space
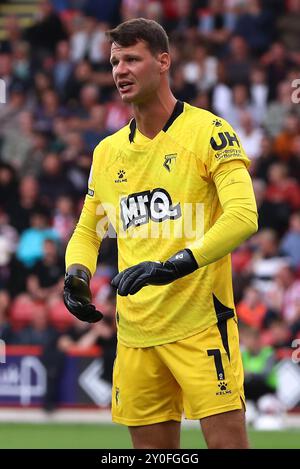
199, 376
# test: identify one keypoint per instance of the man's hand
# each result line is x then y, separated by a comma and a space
131, 280
77, 296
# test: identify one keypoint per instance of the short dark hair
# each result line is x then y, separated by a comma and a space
140, 29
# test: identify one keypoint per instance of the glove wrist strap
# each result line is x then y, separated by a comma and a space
184, 262
80, 272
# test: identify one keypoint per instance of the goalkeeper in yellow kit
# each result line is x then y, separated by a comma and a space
174, 185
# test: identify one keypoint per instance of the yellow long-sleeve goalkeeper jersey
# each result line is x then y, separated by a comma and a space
187, 187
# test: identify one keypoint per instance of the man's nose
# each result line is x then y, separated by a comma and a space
121, 68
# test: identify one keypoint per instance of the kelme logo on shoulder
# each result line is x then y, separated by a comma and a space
121, 176
137, 209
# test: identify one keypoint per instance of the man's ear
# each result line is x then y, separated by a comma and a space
165, 61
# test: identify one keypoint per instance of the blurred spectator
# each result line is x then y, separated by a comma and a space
271, 214
277, 63
47, 275
252, 310
283, 143
82, 75
238, 62
278, 336
266, 261
30, 248
73, 142
39, 331
184, 90
250, 135
201, 69
42, 82
221, 93
294, 162
255, 25
95, 130
288, 26
117, 114
89, 96
216, 24
282, 188
8, 186
8, 239
258, 361
107, 12
279, 109
9, 114
28, 201
102, 76
290, 243
240, 104
64, 218
53, 181
18, 142
259, 92
48, 30
265, 159
22, 66
63, 67
48, 110
13, 33
285, 294
6, 332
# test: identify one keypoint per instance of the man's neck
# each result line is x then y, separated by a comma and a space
152, 116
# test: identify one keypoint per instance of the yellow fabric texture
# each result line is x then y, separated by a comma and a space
173, 379
186, 188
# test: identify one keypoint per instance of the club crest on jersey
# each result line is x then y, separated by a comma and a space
170, 161
121, 176
137, 209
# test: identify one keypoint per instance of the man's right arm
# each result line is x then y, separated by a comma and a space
84, 244
81, 257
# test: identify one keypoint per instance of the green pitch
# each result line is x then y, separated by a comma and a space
111, 436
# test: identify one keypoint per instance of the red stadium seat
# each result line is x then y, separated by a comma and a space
59, 316
22, 311
98, 284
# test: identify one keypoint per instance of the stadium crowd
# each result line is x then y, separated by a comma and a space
239, 59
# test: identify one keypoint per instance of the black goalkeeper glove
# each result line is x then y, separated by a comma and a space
131, 280
77, 296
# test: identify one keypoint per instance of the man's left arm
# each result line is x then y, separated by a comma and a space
238, 220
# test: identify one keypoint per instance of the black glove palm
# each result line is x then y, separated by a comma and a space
77, 297
131, 280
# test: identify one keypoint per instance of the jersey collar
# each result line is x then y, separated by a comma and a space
178, 109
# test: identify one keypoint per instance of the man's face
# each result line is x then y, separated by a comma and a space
136, 72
